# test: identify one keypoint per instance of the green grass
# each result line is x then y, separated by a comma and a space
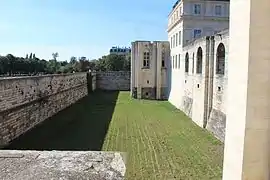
160, 141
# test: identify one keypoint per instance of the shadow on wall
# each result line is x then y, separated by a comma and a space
82, 126
169, 77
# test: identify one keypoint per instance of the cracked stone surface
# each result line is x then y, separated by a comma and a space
33, 165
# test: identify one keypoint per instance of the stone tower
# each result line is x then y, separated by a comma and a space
149, 63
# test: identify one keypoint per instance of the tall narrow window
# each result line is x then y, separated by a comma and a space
176, 39
178, 61
218, 10
173, 62
180, 37
199, 61
193, 63
186, 63
173, 40
220, 62
163, 59
197, 9
146, 59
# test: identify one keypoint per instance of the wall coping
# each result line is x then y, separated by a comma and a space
26, 165
37, 77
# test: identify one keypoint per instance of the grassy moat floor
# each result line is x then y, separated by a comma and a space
160, 141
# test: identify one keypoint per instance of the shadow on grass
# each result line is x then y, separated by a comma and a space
82, 126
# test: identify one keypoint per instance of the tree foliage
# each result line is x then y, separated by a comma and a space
31, 65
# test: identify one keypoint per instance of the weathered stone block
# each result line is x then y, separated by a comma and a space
187, 106
28, 165
217, 124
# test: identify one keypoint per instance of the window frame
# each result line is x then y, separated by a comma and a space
173, 62
176, 39
199, 9
218, 5
179, 61
194, 34
163, 60
180, 38
146, 60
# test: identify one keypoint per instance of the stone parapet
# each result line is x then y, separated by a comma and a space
28, 165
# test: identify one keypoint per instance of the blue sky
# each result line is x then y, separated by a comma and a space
79, 27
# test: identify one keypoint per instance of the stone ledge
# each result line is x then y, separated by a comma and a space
30, 165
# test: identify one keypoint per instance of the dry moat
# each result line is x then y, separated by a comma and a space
160, 141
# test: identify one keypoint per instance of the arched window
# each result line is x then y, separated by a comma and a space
186, 63
220, 63
199, 61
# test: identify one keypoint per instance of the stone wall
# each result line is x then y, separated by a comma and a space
27, 101
27, 165
113, 80
202, 95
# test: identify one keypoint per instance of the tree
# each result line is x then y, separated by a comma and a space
11, 63
127, 63
92, 64
73, 60
55, 55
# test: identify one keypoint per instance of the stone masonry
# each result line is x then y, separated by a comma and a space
27, 101
113, 80
198, 87
75, 165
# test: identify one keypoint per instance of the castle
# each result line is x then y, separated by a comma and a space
190, 68
216, 88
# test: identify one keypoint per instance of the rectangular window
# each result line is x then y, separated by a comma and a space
178, 61
173, 40
173, 62
218, 10
197, 9
176, 39
197, 33
163, 60
146, 58
180, 38
180, 11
